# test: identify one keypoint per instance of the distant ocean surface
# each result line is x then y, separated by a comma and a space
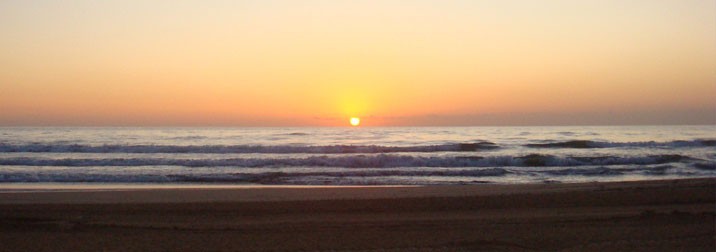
355, 156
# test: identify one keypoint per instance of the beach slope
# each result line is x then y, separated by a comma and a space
665, 215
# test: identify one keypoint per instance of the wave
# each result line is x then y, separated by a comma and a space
706, 166
297, 134
258, 178
359, 161
358, 176
584, 144
328, 149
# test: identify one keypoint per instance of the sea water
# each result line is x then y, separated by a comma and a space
355, 155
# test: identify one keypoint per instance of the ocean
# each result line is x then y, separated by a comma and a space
354, 155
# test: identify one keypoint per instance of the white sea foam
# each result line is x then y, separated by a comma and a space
319, 175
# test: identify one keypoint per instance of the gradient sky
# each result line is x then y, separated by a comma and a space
316, 63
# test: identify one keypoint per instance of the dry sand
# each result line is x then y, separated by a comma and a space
668, 215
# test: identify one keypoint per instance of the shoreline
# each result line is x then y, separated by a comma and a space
654, 215
94, 187
207, 193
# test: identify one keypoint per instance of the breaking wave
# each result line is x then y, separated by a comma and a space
260, 178
328, 149
579, 144
360, 161
357, 176
337, 156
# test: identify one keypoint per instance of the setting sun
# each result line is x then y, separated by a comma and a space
355, 121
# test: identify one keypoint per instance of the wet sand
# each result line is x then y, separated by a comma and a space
666, 215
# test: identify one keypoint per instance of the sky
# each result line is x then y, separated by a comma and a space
391, 63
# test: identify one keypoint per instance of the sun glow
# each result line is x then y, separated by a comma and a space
355, 121
420, 65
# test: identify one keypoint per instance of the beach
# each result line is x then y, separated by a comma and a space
425, 125
659, 215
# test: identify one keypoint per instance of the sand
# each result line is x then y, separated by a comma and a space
666, 215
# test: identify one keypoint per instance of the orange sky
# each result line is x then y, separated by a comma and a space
317, 63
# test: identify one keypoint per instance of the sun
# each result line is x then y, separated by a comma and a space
355, 121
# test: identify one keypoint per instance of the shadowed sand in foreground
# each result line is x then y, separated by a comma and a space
668, 215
